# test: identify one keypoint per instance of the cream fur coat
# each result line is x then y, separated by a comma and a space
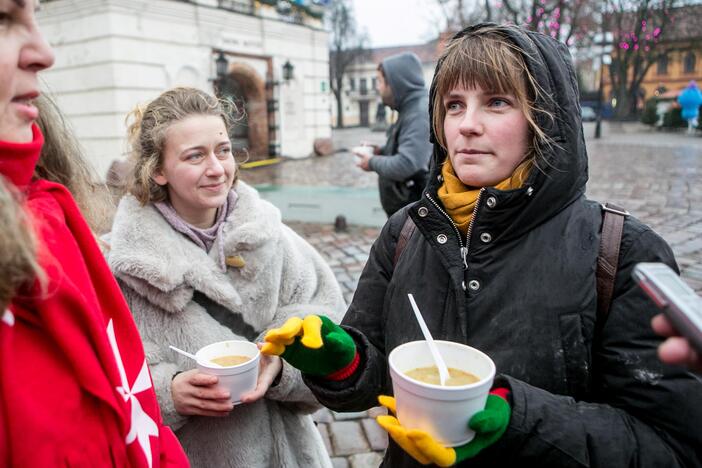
159, 270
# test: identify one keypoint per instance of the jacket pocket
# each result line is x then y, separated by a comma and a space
576, 355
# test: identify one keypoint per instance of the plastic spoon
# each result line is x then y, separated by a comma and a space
438, 360
191, 356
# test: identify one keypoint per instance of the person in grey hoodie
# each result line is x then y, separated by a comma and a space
403, 163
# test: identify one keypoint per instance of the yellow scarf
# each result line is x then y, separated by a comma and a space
459, 199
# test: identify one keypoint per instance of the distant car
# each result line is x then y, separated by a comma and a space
588, 114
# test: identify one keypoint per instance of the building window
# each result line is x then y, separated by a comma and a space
363, 85
689, 62
352, 84
375, 83
662, 65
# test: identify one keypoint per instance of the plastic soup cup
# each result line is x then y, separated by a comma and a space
237, 379
443, 412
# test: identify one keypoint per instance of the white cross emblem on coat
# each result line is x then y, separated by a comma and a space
142, 425
8, 317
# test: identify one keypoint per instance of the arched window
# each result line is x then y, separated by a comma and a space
662, 66
689, 62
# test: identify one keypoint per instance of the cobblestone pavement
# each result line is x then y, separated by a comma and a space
656, 176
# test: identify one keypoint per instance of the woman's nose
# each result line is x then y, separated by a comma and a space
471, 123
214, 166
37, 54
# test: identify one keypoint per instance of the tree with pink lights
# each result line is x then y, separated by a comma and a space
570, 21
639, 30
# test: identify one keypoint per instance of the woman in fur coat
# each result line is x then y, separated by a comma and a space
202, 258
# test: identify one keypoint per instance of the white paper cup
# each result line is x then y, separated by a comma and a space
443, 412
365, 150
237, 379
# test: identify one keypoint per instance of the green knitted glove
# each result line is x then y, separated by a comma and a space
315, 345
488, 424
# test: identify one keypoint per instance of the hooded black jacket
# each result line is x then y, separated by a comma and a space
585, 392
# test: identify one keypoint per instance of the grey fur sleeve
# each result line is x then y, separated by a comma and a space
161, 365
314, 291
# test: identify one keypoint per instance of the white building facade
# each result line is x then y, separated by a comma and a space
112, 55
360, 98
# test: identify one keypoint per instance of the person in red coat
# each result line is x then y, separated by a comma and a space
75, 389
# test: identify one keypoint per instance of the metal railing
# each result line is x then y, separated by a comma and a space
238, 6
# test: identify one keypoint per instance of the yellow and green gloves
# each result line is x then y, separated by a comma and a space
315, 345
488, 424
318, 347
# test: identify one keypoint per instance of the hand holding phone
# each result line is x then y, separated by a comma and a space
678, 301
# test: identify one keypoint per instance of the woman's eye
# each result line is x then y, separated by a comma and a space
225, 151
499, 103
193, 156
453, 106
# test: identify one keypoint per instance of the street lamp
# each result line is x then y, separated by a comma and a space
221, 66
288, 70
605, 59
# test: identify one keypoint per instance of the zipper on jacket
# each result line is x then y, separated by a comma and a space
464, 247
470, 225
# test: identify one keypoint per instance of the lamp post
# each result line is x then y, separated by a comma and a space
605, 59
288, 70
221, 69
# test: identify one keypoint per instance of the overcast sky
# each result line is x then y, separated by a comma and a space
397, 22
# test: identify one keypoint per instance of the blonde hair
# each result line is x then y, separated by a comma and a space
147, 129
62, 161
18, 260
485, 58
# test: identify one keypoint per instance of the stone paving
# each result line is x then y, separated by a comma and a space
656, 176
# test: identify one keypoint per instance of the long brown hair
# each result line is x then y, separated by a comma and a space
147, 134
18, 263
486, 58
62, 161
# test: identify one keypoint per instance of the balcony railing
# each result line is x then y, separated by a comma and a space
238, 6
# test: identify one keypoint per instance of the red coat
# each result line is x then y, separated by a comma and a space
75, 389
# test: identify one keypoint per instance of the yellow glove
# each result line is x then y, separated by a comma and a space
417, 443
489, 424
315, 345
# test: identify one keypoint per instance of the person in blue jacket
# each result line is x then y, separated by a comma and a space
690, 101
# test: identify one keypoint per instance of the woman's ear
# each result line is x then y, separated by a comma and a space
159, 178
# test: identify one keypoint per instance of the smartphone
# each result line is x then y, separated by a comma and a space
678, 301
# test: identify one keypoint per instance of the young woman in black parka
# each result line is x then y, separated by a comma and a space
503, 259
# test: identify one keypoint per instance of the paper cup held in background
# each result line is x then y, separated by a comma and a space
366, 150
237, 379
443, 412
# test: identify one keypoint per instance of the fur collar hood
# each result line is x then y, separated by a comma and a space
150, 256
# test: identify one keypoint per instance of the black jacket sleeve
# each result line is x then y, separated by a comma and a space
364, 322
643, 414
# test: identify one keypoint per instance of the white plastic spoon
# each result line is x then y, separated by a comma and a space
440, 364
191, 356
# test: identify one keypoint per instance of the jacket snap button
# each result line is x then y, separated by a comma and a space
474, 285
530, 191
441, 238
440, 178
485, 237
423, 211
463, 285
491, 202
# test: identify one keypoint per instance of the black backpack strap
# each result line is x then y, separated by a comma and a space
608, 258
407, 231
